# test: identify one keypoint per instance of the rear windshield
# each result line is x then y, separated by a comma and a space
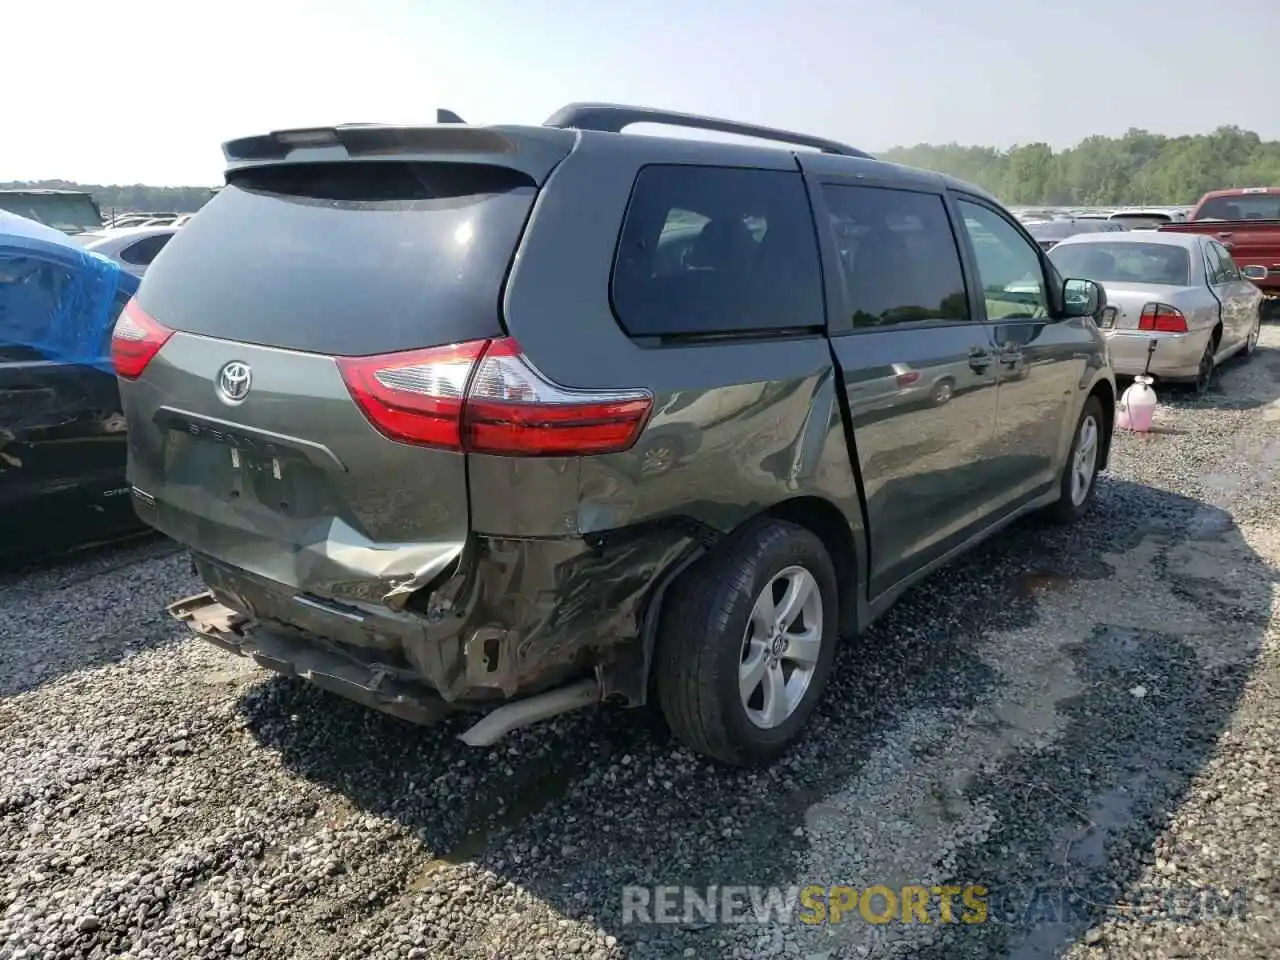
348, 259
1123, 262
71, 213
1259, 207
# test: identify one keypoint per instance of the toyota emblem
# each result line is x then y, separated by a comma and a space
234, 380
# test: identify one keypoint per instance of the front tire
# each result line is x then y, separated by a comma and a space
1080, 475
748, 637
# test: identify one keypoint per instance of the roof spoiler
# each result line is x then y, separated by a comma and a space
533, 151
615, 117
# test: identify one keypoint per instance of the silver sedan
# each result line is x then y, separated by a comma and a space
1181, 292
133, 248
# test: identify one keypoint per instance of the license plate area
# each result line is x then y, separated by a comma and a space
230, 473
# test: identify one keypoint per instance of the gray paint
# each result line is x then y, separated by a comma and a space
552, 564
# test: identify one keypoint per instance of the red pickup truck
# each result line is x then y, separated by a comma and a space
1245, 220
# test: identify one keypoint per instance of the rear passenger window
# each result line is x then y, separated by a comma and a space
145, 250
898, 256
717, 250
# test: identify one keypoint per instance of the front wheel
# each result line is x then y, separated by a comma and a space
748, 637
1080, 475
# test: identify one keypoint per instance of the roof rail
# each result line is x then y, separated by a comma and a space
615, 117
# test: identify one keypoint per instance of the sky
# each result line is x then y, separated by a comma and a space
145, 91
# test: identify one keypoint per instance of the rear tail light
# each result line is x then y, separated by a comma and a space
1162, 318
907, 379
136, 339
486, 397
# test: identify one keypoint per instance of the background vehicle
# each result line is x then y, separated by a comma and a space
133, 248
1182, 292
1246, 221
62, 443
419, 475
69, 211
1147, 218
1049, 232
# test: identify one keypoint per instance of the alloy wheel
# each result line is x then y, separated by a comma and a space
781, 647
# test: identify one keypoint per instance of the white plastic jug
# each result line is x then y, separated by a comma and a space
1137, 406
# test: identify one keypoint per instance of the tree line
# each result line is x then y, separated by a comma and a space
1139, 168
117, 198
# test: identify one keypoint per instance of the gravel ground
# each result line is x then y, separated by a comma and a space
1090, 710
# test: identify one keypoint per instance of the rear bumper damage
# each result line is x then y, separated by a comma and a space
519, 629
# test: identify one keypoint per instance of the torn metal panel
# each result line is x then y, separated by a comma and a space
515, 618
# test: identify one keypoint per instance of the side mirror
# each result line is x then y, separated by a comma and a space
1255, 272
1082, 298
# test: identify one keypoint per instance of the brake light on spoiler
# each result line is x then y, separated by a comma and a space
485, 396
135, 340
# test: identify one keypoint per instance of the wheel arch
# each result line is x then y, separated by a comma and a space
824, 520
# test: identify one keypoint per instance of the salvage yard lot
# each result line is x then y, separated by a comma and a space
1093, 709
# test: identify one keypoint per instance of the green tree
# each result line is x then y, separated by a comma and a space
1140, 167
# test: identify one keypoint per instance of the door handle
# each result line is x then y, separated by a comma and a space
1226, 233
979, 359
1010, 357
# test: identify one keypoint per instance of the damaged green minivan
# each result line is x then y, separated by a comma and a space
518, 419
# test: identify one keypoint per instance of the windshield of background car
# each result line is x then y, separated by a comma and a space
69, 213
1260, 207
1159, 263
1142, 221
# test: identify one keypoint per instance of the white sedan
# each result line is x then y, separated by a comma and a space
132, 247
1181, 292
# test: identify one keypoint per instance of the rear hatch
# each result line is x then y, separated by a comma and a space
246, 440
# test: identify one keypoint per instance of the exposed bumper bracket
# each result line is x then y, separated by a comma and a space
292, 656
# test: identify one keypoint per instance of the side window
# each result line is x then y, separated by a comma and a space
717, 250
1008, 265
1212, 269
144, 251
897, 254
1226, 267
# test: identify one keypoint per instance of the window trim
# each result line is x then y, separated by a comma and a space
1048, 273
661, 340
840, 322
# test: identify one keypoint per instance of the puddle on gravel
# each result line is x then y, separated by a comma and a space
494, 816
1037, 582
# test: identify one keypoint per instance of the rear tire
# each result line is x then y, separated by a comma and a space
1080, 474
1204, 373
1251, 343
732, 684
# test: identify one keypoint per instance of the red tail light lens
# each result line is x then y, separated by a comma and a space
486, 397
1162, 318
136, 339
415, 396
907, 379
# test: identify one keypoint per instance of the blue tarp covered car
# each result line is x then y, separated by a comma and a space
62, 441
